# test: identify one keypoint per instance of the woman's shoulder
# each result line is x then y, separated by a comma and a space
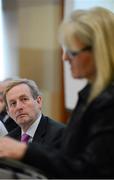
106, 97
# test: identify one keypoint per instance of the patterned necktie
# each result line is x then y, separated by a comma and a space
25, 138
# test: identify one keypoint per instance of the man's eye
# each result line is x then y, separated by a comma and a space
24, 99
12, 104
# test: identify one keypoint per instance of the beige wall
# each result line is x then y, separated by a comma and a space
10, 38
40, 57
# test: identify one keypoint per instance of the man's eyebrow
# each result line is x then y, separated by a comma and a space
21, 96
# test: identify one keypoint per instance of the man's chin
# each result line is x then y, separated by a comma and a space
21, 121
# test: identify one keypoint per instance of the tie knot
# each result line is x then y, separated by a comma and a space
25, 138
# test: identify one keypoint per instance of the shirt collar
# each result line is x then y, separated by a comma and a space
32, 129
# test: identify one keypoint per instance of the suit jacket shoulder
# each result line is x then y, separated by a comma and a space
49, 131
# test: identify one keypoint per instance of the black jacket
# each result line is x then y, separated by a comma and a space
48, 132
8, 122
87, 149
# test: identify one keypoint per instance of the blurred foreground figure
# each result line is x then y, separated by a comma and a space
11, 169
87, 148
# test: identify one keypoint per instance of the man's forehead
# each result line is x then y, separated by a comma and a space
18, 90
19, 87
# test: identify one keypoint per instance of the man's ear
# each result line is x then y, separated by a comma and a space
39, 101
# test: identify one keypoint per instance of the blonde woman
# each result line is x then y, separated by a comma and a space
87, 148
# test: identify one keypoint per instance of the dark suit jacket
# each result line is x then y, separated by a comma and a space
9, 122
48, 132
87, 148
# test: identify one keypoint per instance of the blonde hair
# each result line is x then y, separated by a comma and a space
94, 27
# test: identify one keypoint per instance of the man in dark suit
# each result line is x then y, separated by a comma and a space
24, 104
47, 132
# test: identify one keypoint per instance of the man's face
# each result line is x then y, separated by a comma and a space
22, 107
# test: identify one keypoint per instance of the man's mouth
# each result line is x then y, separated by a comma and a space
21, 115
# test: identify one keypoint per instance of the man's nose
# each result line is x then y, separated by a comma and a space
19, 104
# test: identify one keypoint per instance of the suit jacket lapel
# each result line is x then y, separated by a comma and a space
41, 130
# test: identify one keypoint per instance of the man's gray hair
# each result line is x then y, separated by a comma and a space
30, 83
